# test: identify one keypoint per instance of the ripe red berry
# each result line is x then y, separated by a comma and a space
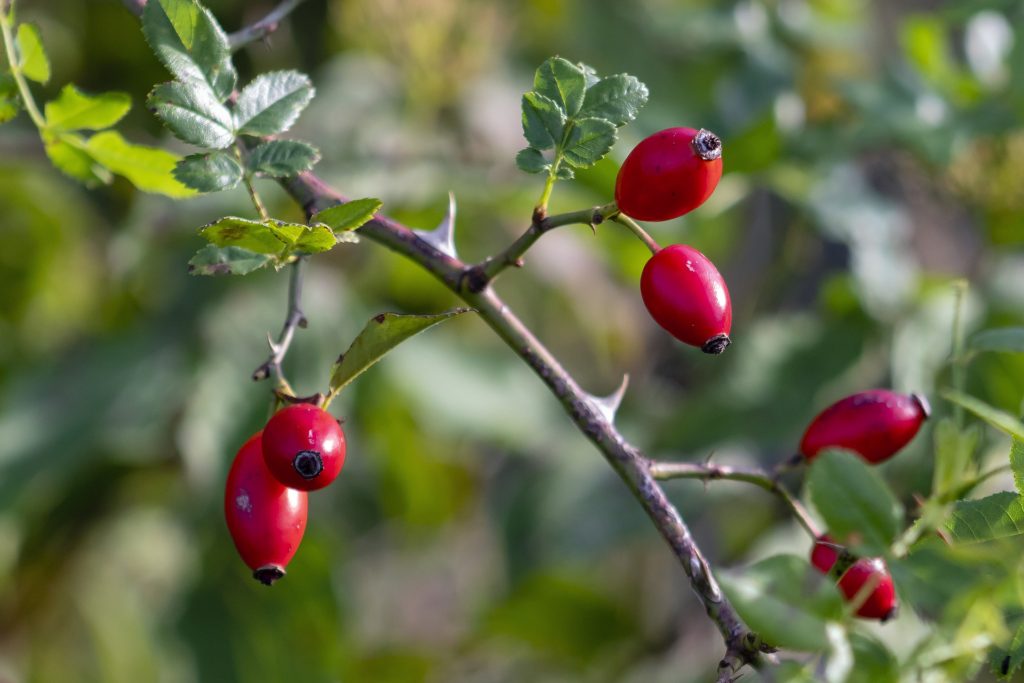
876, 424
303, 447
825, 554
686, 295
265, 518
669, 174
880, 603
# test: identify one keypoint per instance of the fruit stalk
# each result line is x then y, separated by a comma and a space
294, 318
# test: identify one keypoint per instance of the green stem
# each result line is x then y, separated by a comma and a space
635, 228
957, 360
19, 78
549, 185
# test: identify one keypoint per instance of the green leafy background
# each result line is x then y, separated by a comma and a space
872, 153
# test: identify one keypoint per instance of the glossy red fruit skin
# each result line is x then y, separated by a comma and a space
824, 555
665, 175
266, 520
876, 424
303, 447
881, 602
687, 296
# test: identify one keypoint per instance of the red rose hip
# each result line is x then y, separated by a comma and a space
875, 424
880, 603
303, 447
265, 518
687, 296
825, 554
668, 174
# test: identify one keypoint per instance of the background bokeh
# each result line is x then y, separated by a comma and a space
872, 155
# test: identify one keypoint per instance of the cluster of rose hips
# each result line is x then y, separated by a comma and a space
300, 449
670, 174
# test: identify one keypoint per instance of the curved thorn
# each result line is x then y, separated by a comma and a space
442, 237
609, 405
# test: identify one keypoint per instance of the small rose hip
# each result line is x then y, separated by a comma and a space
875, 424
880, 603
303, 447
687, 296
825, 554
265, 518
668, 174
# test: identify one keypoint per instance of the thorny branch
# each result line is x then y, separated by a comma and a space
742, 645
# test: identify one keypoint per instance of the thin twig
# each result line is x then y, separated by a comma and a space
481, 274
264, 27
295, 318
635, 228
314, 195
757, 477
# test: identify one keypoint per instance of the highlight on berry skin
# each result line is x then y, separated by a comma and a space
669, 174
875, 424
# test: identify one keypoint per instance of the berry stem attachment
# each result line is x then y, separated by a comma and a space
758, 477
635, 228
264, 27
19, 77
295, 318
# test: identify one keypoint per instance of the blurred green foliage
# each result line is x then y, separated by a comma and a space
872, 154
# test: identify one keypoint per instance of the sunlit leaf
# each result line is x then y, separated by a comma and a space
381, 334
283, 158
68, 153
232, 231
76, 110
543, 121
193, 113
532, 161
616, 98
272, 102
188, 40
10, 102
148, 168
31, 56
589, 141
348, 216
563, 82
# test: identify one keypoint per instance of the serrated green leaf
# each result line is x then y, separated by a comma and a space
1008, 339
564, 172
999, 419
212, 260
283, 158
382, 333
232, 231
856, 503
1017, 464
997, 516
287, 233
532, 161
1006, 660
785, 601
10, 102
543, 121
316, 239
272, 102
191, 44
617, 99
953, 455
211, 172
348, 216
68, 153
193, 113
589, 73
148, 168
563, 82
75, 110
589, 140
31, 57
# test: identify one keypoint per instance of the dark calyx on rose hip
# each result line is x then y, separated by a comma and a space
876, 424
303, 447
855, 574
266, 519
669, 174
687, 296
